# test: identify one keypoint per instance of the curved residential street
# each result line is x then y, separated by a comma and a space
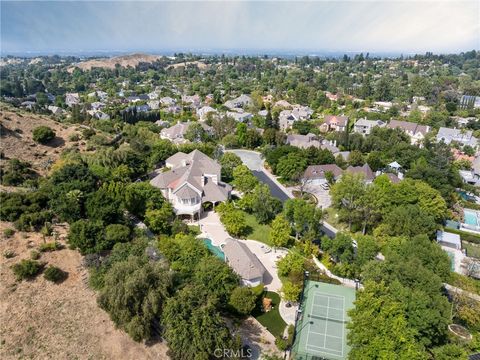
253, 160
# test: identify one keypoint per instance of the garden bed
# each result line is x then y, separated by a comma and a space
310, 198
473, 250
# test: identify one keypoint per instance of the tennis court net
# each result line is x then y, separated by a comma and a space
329, 318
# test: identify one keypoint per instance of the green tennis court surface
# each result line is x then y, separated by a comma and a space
321, 331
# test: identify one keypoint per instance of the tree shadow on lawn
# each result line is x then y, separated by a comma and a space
271, 319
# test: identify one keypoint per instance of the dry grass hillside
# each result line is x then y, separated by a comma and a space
16, 141
109, 63
43, 320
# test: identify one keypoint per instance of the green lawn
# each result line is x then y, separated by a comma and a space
259, 232
332, 218
272, 319
472, 249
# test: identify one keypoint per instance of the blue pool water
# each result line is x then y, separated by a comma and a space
470, 217
215, 250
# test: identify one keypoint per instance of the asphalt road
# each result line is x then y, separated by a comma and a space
274, 189
254, 162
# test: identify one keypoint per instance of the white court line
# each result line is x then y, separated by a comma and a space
337, 337
326, 327
324, 350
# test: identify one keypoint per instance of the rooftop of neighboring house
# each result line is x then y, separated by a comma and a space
283, 104
336, 119
179, 130
241, 101
319, 171
409, 127
393, 178
369, 123
364, 170
242, 260
454, 134
303, 141
200, 172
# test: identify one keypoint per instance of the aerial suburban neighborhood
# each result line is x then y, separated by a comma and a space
217, 204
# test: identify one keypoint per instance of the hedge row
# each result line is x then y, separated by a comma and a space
465, 236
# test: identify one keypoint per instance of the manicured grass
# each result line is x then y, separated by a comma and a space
472, 249
259, 232
332, 219
272, 319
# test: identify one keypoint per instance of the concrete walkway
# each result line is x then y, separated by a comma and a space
288, 314
212, 228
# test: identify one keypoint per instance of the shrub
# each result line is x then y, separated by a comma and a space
16, 172
7, 254
86, 236
34, 255
291, 291
43, 134
74, 137
116, 233
54, 274
281, 344
27, 269
8, 233
243, 300
50, 246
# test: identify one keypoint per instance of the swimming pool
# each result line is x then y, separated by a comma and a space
470, 217
215, 250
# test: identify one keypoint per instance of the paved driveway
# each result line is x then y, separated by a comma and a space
250, 158
254, 162
323, 196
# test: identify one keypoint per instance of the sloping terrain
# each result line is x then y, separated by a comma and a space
16, 140
109, 63
42, 320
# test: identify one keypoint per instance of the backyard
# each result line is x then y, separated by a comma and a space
271, 319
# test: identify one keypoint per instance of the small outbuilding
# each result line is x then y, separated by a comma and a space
448, 239
245, 263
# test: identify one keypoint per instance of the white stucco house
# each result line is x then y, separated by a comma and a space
190, 181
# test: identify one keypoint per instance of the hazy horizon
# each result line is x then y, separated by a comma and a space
390, 28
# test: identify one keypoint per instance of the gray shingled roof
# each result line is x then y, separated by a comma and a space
242, 260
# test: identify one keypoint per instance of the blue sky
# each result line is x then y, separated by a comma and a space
315, 26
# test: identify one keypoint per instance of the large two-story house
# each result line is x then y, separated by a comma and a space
415, 131
191, 180
464, 137
364, 126
334, 123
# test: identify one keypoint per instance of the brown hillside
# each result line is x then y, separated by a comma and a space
16, 141
109, 63
42, 320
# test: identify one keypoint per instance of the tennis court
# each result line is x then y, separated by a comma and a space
321, 331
